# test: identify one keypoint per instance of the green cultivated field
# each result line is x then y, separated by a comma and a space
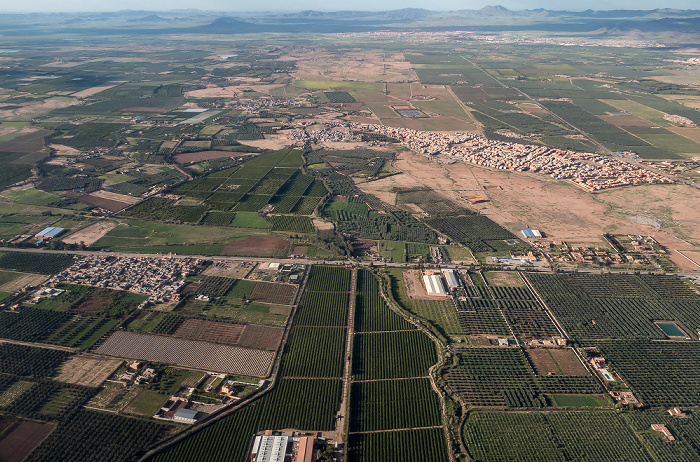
425, 445
314, 352
371, 311
552, 436
393, 404
392, 355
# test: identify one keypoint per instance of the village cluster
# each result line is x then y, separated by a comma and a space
159, 278
590, 171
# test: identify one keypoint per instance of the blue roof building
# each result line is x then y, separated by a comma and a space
49, 233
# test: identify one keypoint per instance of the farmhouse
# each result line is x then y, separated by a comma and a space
434, 284
664, 431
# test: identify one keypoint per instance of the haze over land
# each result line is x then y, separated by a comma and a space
383, 235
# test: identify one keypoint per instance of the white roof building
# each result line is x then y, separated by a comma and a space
269, 448
451, 278
434, 284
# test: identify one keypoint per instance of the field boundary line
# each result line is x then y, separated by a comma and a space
396, 430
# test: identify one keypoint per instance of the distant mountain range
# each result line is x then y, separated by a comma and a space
487, 19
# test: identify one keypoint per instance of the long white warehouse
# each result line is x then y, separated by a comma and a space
434, 284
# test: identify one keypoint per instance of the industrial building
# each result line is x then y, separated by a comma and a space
188, 416
451, 278
269, 448
434, 284
531, 233
49, 233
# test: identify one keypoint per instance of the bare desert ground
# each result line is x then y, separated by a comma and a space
560, 209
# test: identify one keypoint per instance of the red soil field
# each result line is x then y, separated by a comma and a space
257, 246
22, 440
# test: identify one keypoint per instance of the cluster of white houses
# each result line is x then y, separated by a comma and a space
590, 171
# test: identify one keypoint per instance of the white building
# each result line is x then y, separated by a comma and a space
269, 448
434, 284
451, 278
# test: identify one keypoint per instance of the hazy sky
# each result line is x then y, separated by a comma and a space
325, 5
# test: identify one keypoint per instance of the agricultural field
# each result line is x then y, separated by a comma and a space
281, 408
646, 366
87, 371
371, 311
276, 294
21, 439
392, 355
393, 404
440, 313
473, 231
44, 263
322, 309
555, 436
30, 361
314, 352
427, 445
109, 437
618, 306
209, 331
328, 279
189, 353
504, 378
31, 324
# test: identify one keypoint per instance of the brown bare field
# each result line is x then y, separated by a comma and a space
692, 133
188, 353
363, 120
36, 108
322, 225
692, 258
559, 208
95, 303
26, 279
103, 194
94, 90
228, 270
210, 331
23, 439
413, 280
257, 246
90, 234
276, 141
214, 91
63, 150
189, 157
504, 279
300, 250
109, 204
627, 121
270, 292
261, 337
674, 206
87, 371
361, 66
568, 362
542, 362
29, 142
